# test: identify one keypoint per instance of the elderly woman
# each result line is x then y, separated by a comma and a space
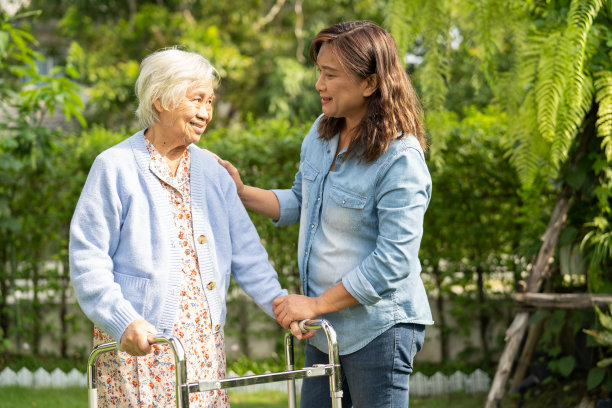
156, 233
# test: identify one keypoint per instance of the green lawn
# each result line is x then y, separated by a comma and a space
19, 397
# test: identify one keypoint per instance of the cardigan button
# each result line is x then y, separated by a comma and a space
211, 285
202, 239
218, 327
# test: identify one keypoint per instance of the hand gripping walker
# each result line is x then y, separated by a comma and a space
183, 389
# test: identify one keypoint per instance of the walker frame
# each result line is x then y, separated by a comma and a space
183, 388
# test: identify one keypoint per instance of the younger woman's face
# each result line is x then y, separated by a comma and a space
343, 94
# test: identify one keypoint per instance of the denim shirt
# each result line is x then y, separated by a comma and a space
361, 225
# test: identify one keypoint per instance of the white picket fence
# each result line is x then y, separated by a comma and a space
420, 385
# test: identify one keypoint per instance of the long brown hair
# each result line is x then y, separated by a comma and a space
393, 109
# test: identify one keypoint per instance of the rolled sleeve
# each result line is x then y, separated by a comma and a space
360, 288
403, 196
289, 207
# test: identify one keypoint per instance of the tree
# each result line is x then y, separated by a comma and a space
26, 147
548, 66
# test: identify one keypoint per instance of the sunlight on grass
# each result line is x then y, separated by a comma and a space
22, 397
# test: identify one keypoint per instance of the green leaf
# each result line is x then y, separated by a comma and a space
595, 377
605, 319
566, 365
568, 235
4, 39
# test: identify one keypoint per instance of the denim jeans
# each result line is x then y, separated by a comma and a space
375, 376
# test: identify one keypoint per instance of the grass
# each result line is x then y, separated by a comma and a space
20, 397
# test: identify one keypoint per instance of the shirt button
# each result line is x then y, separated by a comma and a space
343, 201
318, 198
211, 285
312, 226
202, 239
218, 327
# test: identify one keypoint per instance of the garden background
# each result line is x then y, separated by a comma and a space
518, 102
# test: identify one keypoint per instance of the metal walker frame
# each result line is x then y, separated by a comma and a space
183, 388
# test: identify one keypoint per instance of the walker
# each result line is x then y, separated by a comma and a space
183, 388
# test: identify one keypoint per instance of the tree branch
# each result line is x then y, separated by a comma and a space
299, 35
562, 300
270, 16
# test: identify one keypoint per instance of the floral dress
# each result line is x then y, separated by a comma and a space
149, 381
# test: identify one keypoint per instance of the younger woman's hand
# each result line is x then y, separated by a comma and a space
233, 172
293, 308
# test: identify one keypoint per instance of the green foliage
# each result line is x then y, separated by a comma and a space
253, 44
245, 366
433, 75
472, 225
595, 377
603, 97
509, 87
467, 162
28, 146
559, 59
597, 241
564, 366
562, 355
603, 338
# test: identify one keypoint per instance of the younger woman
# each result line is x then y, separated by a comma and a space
360, 196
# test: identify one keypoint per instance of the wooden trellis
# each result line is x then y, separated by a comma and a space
531, 297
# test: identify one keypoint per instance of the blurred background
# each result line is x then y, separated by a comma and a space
518, 102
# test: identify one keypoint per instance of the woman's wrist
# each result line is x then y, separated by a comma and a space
322, 305
245, 194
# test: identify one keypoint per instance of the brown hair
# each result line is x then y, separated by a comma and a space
393, 109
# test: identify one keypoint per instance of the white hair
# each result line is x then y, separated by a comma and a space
166, 76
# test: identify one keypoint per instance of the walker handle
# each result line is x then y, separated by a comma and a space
182, 394
310, 324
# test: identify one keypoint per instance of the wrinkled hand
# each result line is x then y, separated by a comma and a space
138, 339
297, 332
293, 308
233, 172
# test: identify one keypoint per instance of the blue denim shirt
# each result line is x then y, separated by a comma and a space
361, 225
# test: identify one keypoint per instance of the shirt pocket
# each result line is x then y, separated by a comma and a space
135, 290
309, 175
344, 211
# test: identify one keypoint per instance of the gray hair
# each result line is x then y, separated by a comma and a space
166, 76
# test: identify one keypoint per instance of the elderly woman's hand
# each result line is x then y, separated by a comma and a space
138, 339
298, 333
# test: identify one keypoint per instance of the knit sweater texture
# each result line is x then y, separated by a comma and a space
125, 254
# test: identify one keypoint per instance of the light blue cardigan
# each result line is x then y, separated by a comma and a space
124, 252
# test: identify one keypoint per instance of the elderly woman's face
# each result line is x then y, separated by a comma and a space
188, 120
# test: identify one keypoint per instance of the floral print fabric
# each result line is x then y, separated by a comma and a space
149, 381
